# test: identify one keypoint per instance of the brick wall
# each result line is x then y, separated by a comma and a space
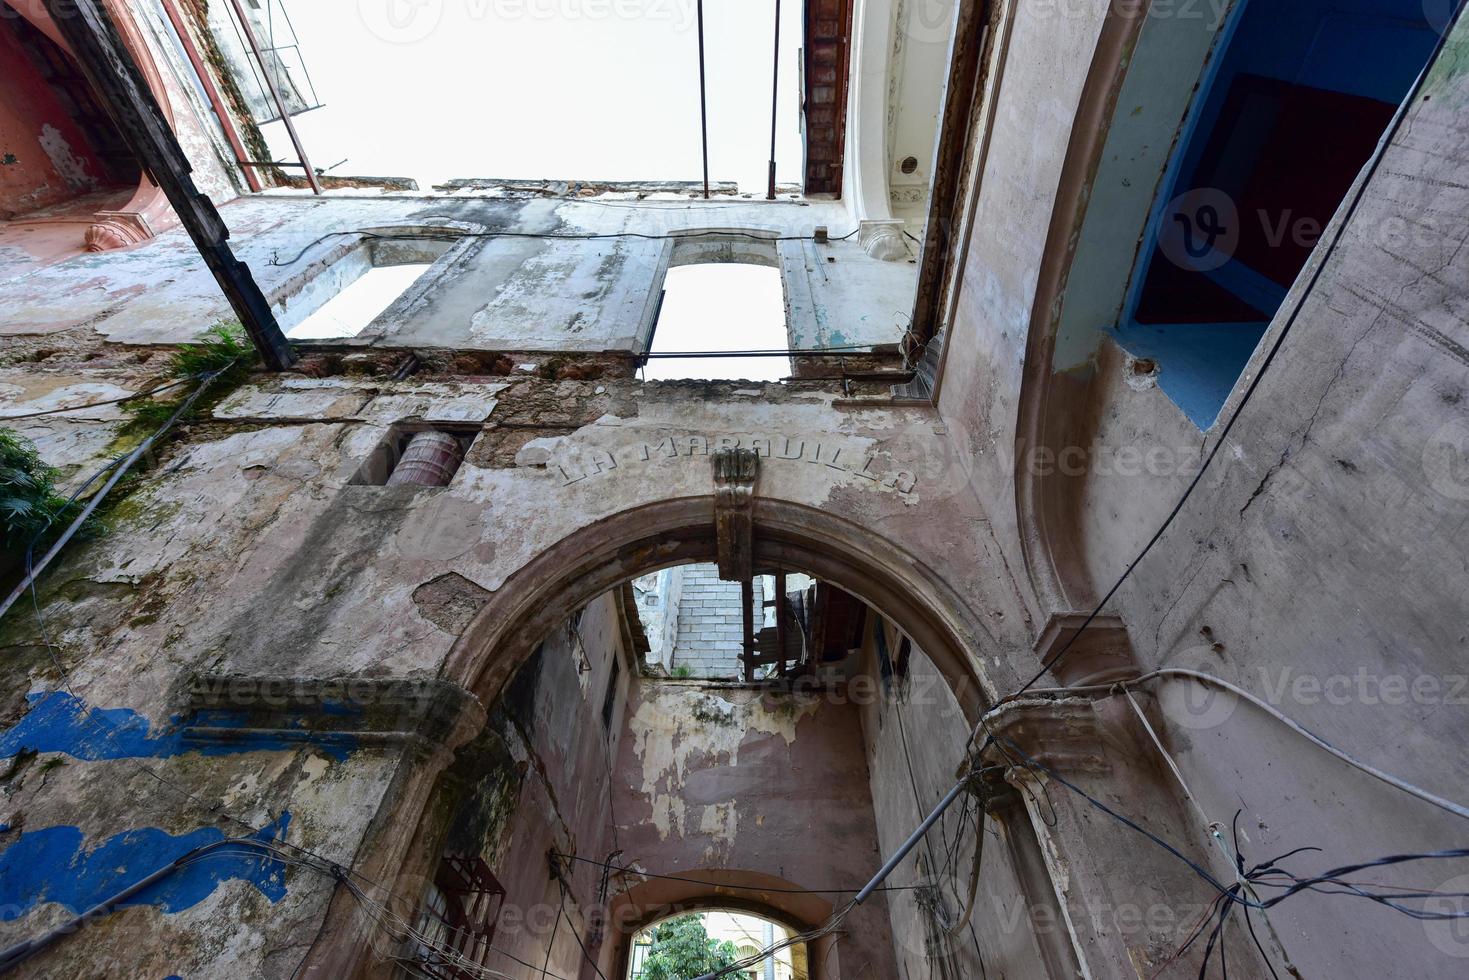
710, 627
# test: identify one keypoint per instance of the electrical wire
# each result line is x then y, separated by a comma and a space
120, 467
110, 401
454, 233
575, 934
1259, 871
628, 870
1457, 809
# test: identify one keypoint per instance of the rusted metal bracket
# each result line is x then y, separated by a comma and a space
117, 82
735, 472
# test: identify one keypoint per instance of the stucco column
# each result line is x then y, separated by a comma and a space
865, 174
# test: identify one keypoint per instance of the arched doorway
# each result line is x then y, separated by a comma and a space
748, 925
631, 782
569, 573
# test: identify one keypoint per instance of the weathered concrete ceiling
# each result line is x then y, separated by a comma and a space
498, 287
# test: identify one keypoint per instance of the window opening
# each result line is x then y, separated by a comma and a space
1296, 104
350, 311
720, 307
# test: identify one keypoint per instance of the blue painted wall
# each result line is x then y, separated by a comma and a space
56, 864
61, 722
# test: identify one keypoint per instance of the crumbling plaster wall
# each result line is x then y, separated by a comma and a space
915, 737
536, 780
1321, 563
45, 158
247, 549
716, 778
512, 293
1039, 89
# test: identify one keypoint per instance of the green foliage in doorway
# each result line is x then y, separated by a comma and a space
682, 949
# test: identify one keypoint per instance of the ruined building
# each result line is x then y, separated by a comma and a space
1110, 501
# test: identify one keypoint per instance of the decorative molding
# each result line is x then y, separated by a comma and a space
117, 229
427, 713
735, 472
1102, 654
883, 239
1064, 735
579, 463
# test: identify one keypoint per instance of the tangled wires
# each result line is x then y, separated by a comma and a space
1270, 874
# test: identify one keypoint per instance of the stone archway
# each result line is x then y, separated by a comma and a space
786, 536
601, 556
764, 895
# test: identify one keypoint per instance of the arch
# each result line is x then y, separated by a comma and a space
568, 573
722, 890
708, 246
147, 212
1048, 400
791, 537
720, 246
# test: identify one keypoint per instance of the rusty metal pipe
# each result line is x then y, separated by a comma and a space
429, 461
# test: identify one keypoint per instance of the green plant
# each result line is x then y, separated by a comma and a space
683, 672
31, 507
682, 949
224, 349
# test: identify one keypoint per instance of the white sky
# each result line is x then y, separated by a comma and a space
604, 89
361, 302
721, 307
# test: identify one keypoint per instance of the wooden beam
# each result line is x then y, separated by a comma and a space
747, 595
115, 79
780, 621
945, 218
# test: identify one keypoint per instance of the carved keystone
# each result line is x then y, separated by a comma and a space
735, 472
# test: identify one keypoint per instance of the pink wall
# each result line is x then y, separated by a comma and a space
33, 122
722, 781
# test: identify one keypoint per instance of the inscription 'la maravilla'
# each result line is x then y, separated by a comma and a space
592, 461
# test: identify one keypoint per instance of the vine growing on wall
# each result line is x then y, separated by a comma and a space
224, 348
